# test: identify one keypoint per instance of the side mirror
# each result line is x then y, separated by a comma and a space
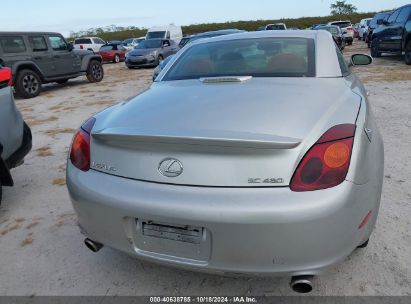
70, 47
361, 59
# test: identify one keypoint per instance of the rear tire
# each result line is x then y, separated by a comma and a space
374, 49
27, 84
408, 53
116, 59
95, 71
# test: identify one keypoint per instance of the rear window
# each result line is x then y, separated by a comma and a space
333, 30
257, 57
12, 44
82, 41
277, 27
342, 24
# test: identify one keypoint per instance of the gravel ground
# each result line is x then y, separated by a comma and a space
41, 247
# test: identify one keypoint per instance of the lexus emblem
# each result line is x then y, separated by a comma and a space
170, 167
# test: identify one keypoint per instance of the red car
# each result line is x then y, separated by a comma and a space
113, 53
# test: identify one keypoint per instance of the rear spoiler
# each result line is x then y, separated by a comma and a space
207, 138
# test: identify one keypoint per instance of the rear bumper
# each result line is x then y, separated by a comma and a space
22, 151
250, 231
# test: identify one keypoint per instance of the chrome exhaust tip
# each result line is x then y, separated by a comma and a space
93, 246
302, 284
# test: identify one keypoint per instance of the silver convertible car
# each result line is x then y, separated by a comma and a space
254, 153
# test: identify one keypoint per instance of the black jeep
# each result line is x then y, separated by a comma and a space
394, 34
37, 58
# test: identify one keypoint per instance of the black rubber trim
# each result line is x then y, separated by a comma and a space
5, 176
24, 149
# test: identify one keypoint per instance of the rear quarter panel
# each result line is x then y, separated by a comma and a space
11, 124
367, 163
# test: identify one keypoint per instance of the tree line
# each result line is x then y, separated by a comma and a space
114, 32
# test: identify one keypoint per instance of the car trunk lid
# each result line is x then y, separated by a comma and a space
230, 134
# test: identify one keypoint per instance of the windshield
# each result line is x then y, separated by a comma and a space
156, 35
105, 48
82, 41
258, 57
149, 44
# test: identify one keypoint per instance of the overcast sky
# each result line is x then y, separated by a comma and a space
64, 16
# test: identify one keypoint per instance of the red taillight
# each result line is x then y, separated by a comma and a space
5, 76
326, 164
81, 46
349, 28
80, 148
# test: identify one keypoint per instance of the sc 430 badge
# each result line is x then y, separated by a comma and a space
101, 166
265, 180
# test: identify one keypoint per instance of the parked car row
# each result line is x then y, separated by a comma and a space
388, 33
336, 33
328, 167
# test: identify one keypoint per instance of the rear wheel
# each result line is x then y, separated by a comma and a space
374, 49
408, 53
116, 58
27, 84
95, 72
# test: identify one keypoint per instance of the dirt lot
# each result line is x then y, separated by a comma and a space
41, 249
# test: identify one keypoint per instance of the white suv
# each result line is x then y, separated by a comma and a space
89, 43
363, 30
346, 28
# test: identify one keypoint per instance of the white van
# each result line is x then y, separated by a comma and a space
171, 32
